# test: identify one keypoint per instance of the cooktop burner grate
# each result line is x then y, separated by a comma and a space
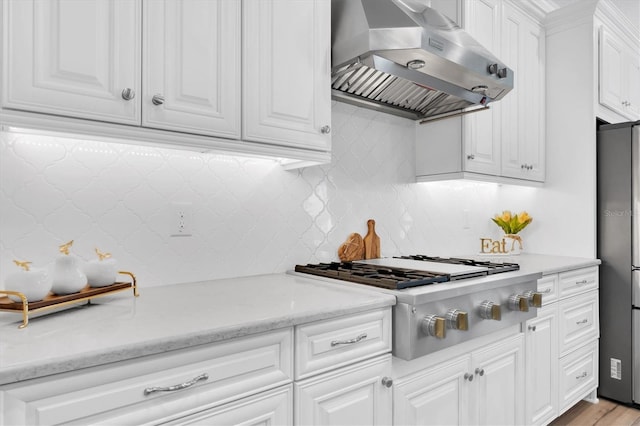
493, 267
391, 278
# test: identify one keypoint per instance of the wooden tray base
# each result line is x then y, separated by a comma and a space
52, 301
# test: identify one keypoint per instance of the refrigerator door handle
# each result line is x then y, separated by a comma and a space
635, 188
635, 288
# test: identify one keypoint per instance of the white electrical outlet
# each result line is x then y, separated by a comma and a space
181, 219
616, 369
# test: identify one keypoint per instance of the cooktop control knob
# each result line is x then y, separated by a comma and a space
518, 302
490, 311
433, 325
457, 319
535, 298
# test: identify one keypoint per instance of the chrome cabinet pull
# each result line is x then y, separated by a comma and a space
180, 386
480, 371
325, 130
471, 157
128, 94
157, 99
582, 376
581, 283
546, 291
468, 377
584, 321
350, 341
387, 382
532, 327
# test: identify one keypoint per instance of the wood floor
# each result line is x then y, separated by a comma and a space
604, 413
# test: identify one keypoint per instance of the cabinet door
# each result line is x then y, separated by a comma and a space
73, 58
522, 120
353, 395
541, 402
611, 89
191, 66
499, 381
286, 73
632, 69
436, 396
481, 129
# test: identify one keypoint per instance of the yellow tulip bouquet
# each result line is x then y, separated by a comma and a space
512, 223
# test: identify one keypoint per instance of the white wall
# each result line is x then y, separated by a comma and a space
250, 216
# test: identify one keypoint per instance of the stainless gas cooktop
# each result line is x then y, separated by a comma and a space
441, 302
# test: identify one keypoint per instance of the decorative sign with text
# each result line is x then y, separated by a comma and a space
508, 244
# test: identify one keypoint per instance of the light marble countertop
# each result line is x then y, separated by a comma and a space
548, 264
119, 327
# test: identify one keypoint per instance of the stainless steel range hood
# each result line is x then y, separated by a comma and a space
407, 59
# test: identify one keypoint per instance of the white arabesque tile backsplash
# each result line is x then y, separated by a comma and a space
249, 215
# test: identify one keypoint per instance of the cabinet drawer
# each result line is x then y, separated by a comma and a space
325, 345
548, 286
578, 281
235, 368
272, 407
578, 374
578, 321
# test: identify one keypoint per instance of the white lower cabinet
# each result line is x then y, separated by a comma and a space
435, 396
562, 345
483, 387
343, 378
360, 394
267, 408
542, 359
135, 391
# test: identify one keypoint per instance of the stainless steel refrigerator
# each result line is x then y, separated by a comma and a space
618, 217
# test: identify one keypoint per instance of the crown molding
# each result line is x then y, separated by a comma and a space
612, 16
571, 16
537, 9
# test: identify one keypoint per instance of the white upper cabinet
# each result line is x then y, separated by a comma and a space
505, 143
481, 129
191, 64
201, 73
73, 58
286, 74
619, 75
522, 123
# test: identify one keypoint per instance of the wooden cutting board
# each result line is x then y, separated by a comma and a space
371, 241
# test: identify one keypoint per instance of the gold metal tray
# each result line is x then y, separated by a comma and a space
52, 301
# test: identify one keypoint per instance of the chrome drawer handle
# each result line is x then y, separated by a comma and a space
583, 282
584, 321
184, 385
546, 291
582, 376
350, 341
